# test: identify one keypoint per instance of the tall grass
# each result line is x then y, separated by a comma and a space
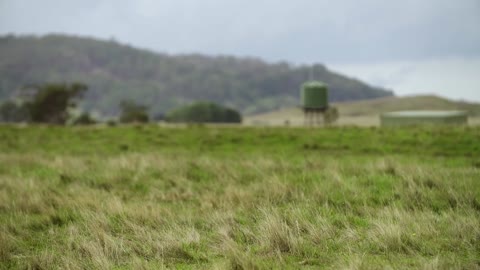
195, 207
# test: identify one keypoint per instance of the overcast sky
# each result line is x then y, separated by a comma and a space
352, 36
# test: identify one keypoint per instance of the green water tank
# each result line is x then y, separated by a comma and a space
314, 95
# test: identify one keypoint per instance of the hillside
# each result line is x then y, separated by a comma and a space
365, 112
115, 72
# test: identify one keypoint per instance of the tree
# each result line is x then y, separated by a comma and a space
132, 112
204, 112
13, 113
84, 119
331, 115
51, 102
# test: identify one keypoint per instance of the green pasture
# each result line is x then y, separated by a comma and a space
212, 197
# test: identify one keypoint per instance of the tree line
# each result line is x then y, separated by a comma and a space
55, 103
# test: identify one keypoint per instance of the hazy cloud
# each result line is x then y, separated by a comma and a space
298, 31
455, 78
407, 45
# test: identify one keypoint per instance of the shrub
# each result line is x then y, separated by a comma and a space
204, 112
13, 113
132, 112
84, 119
331, 115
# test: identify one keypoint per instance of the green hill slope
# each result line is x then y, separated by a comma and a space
365, 112
427, 102
115, 72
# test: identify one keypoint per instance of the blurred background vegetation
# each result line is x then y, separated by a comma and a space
115, 72
203, 112
55, 103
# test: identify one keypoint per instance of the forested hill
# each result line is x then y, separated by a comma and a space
116, 72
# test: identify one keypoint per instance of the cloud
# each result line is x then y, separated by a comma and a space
298, 31
411, 46
455, 78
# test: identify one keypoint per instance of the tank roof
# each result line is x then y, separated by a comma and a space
314, 84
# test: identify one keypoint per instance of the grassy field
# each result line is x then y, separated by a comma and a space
149, 197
